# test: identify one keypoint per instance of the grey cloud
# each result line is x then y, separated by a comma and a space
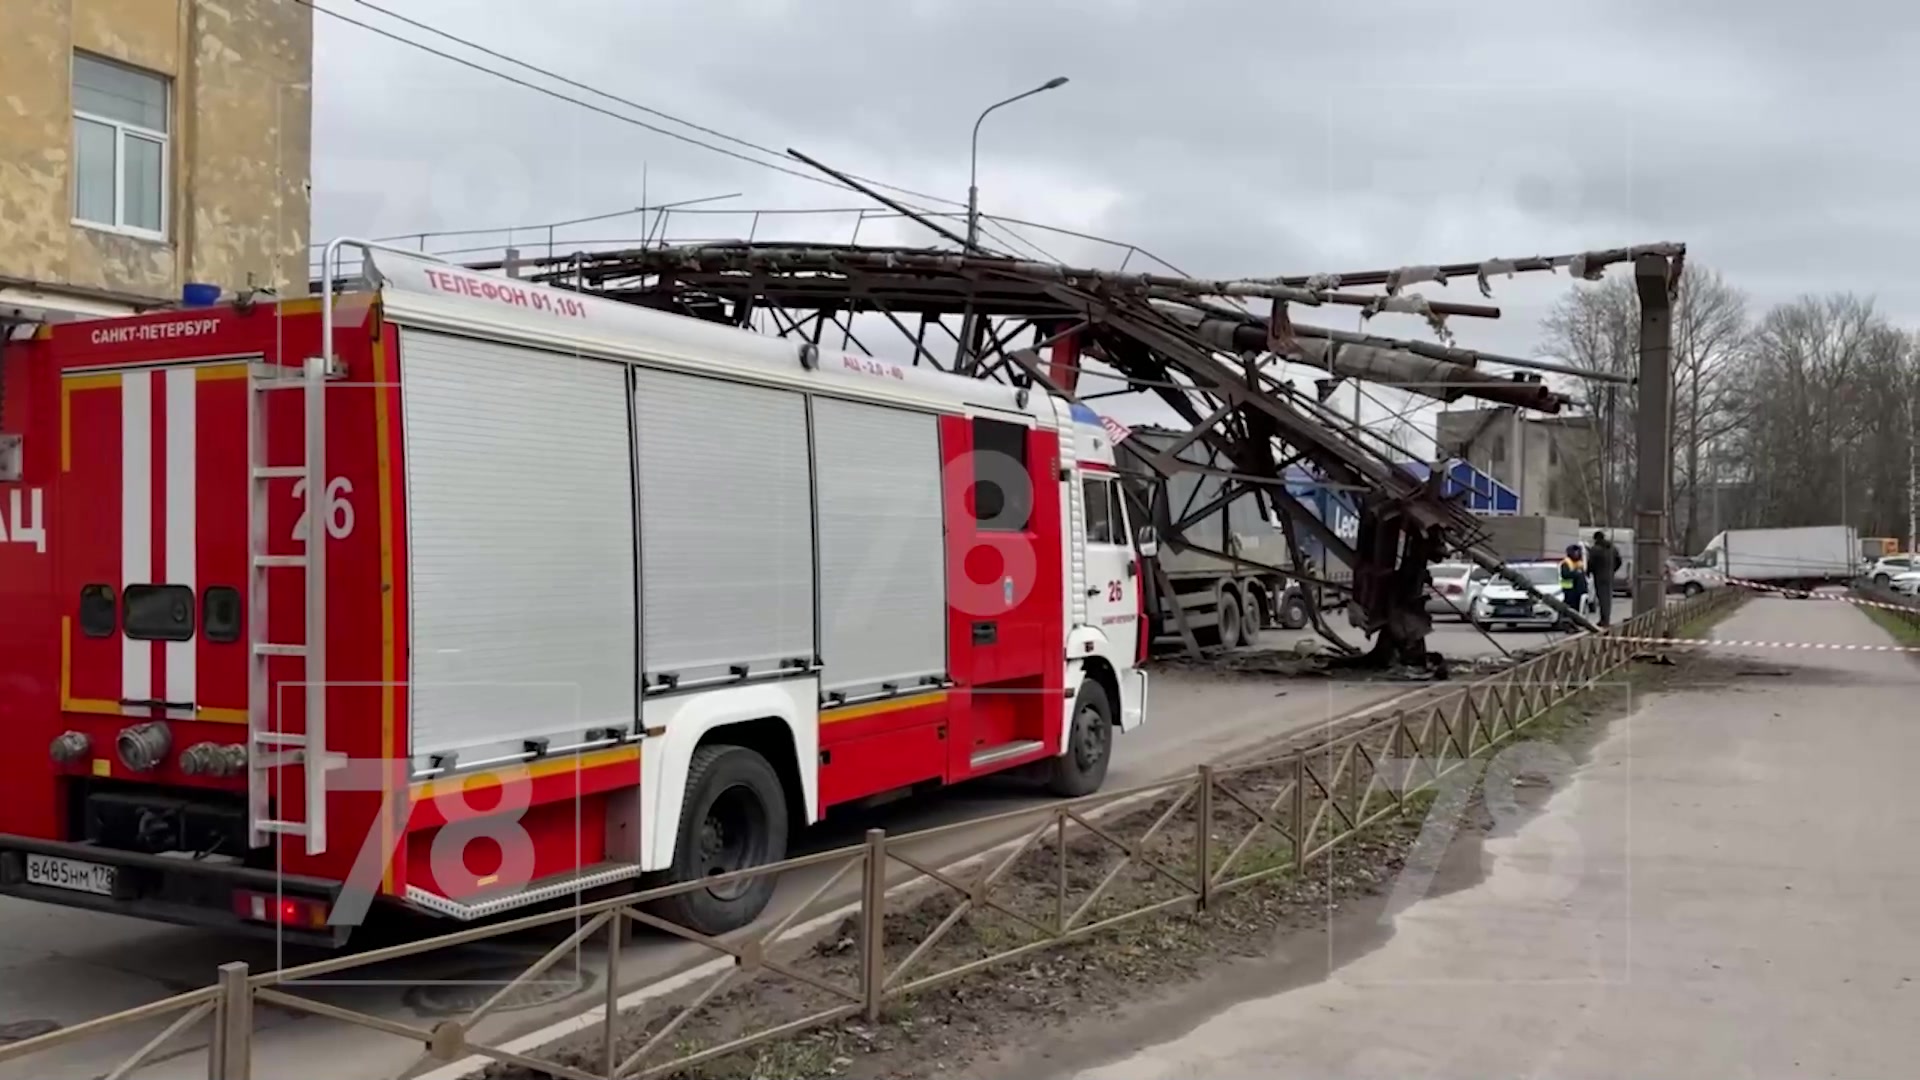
1229, 137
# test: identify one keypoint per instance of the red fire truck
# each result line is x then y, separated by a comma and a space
465, 594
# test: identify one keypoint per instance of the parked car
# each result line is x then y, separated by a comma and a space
1687, 577
1500, 602
1454, 586
1888, 567
1907, 584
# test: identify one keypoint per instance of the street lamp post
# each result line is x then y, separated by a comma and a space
973, 206
973, 170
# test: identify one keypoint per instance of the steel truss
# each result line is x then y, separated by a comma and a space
1196, 344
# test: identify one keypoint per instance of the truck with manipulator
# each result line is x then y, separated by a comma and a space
461, 594
1225, 603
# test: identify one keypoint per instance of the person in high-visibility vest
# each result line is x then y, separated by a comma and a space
1573, 577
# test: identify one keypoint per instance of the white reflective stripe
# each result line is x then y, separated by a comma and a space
136, 520
182, 510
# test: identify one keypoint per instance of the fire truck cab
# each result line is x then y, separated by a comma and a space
462, 593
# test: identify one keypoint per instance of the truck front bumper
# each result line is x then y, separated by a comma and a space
183, 891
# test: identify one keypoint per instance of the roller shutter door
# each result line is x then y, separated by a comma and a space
883, 589
726, 533
520, 544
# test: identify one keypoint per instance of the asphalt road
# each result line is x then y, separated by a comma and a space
61, 966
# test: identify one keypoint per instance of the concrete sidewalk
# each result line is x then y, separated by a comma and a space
1729, 888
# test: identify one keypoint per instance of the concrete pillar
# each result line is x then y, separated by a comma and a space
1653, 464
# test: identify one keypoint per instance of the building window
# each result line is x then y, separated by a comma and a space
119, 147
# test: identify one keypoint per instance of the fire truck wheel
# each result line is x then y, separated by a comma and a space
1082, 769
735, 817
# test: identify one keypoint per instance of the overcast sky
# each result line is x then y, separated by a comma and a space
1773, 137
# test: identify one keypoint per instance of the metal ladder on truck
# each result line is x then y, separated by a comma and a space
270, 751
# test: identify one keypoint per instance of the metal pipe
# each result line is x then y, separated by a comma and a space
1376, 361
142, 747
1582, 264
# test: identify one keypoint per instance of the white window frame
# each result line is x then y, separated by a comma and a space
121, 132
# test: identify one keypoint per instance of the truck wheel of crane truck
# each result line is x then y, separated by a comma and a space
1293, 611
1082, 768
1256, 613
735, 817
1228, 618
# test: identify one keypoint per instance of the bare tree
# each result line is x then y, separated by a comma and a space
1598, 327
1709, 340
1823, 433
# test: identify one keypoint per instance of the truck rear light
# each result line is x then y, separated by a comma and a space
294, 911
1450, 589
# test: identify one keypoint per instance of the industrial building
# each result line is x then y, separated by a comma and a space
1547, 461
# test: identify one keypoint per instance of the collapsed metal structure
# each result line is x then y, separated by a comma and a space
1196, 344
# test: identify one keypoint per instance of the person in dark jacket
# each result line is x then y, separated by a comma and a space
1603, 562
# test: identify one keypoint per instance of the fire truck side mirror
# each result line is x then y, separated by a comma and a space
1147, 542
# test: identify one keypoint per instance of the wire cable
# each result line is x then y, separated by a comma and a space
1004, 232
552, 93
630, 103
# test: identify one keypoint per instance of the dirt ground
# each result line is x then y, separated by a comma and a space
1118, 981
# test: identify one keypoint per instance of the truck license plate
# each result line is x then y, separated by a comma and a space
70, 874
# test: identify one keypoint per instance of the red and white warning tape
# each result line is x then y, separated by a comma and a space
1802, 594
1732, 643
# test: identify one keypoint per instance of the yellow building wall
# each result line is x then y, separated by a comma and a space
239, 143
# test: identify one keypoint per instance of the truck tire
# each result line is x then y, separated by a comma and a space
1083, 767
734, 817
1293, 610
1255, 616
1692, 588
1228, 619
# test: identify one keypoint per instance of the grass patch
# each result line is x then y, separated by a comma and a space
1904, 628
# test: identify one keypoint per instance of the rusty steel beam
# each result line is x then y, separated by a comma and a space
1583, 264
1375, 360
1166, 335
742, 258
